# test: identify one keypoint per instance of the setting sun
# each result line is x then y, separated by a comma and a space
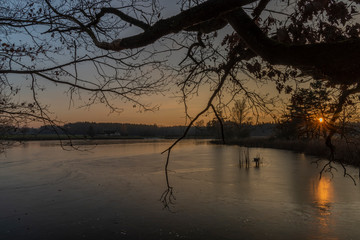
321, 120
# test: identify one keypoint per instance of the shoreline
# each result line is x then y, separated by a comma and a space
23, 138
345, 153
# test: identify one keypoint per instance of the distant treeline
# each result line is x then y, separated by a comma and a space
210, 130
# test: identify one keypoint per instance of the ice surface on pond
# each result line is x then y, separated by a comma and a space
112, 191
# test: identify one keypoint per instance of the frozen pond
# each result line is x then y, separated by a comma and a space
112, 191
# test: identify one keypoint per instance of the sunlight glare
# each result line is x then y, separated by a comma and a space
321, 120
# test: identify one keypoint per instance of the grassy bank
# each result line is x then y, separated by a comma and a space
345, 152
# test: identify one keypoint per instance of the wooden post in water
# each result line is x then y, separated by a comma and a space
247, 158
240, 159
257, 161
244, 156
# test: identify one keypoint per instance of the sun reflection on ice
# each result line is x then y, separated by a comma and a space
323, 191
324, 196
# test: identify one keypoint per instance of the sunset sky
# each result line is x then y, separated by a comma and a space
170, 112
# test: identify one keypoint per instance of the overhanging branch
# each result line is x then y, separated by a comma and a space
189, 20
336, 61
